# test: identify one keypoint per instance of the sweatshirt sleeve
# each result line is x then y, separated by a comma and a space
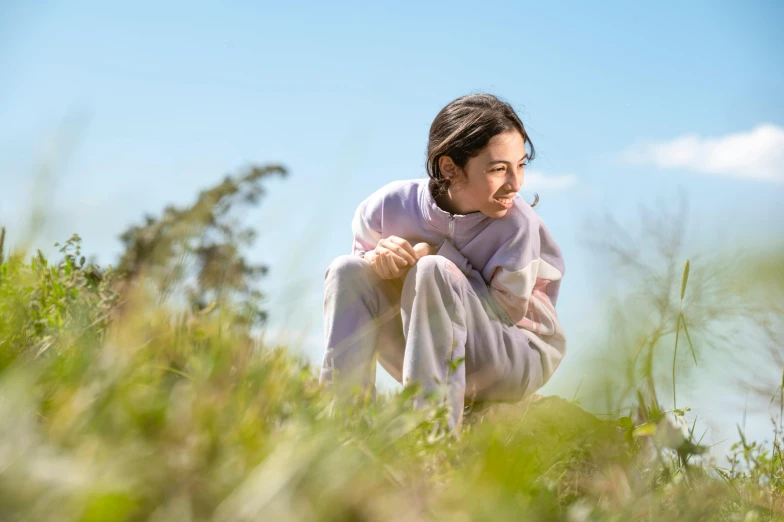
366, 225
524, 278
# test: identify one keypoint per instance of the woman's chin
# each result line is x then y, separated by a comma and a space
496, 212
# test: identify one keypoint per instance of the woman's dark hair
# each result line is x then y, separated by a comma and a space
462, 129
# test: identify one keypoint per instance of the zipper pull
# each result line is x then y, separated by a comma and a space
451, 226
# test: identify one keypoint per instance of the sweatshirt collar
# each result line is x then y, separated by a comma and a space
463, 224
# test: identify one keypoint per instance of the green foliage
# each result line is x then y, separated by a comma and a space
195, 252
46, 304
160, 413
141, 394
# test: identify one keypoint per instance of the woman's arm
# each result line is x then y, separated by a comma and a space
524, 281
366, 227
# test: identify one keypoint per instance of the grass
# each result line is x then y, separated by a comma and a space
118, 407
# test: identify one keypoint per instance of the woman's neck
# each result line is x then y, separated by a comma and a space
440, 197
446, 202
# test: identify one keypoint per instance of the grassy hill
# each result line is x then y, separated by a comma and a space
116, 406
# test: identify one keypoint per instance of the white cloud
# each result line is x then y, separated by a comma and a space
535, 180
757, 154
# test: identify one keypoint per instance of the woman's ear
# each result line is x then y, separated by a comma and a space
447, 167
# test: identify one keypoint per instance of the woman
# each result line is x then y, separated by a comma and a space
453, 280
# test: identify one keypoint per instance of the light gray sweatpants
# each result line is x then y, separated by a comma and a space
419, 325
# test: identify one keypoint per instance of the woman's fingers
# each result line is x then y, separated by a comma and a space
374, 263
392, 254
381, 270
400, 260
392, 268
402, 248
389, 266
382, 267
398, 246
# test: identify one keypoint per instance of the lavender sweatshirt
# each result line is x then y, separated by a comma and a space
514, 257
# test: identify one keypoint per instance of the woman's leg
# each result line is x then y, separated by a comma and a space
446, 317
361, 318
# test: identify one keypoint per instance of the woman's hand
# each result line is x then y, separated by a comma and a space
393, 257
390, 256
424, 249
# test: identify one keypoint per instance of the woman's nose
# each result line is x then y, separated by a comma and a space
515, 180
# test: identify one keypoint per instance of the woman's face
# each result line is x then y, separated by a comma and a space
489, 180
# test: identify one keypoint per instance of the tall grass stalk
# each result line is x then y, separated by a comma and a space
681, 321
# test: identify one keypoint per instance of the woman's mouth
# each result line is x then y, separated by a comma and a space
506, 201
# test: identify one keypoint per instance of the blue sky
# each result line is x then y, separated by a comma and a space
140, 106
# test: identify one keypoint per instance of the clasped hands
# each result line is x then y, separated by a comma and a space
393, 257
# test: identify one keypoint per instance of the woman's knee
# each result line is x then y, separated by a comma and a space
346, 266
433, 268
504, 379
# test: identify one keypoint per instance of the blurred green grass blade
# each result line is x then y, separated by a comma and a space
684, 278
688, 338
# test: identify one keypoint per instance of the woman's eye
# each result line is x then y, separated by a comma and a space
501, 169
